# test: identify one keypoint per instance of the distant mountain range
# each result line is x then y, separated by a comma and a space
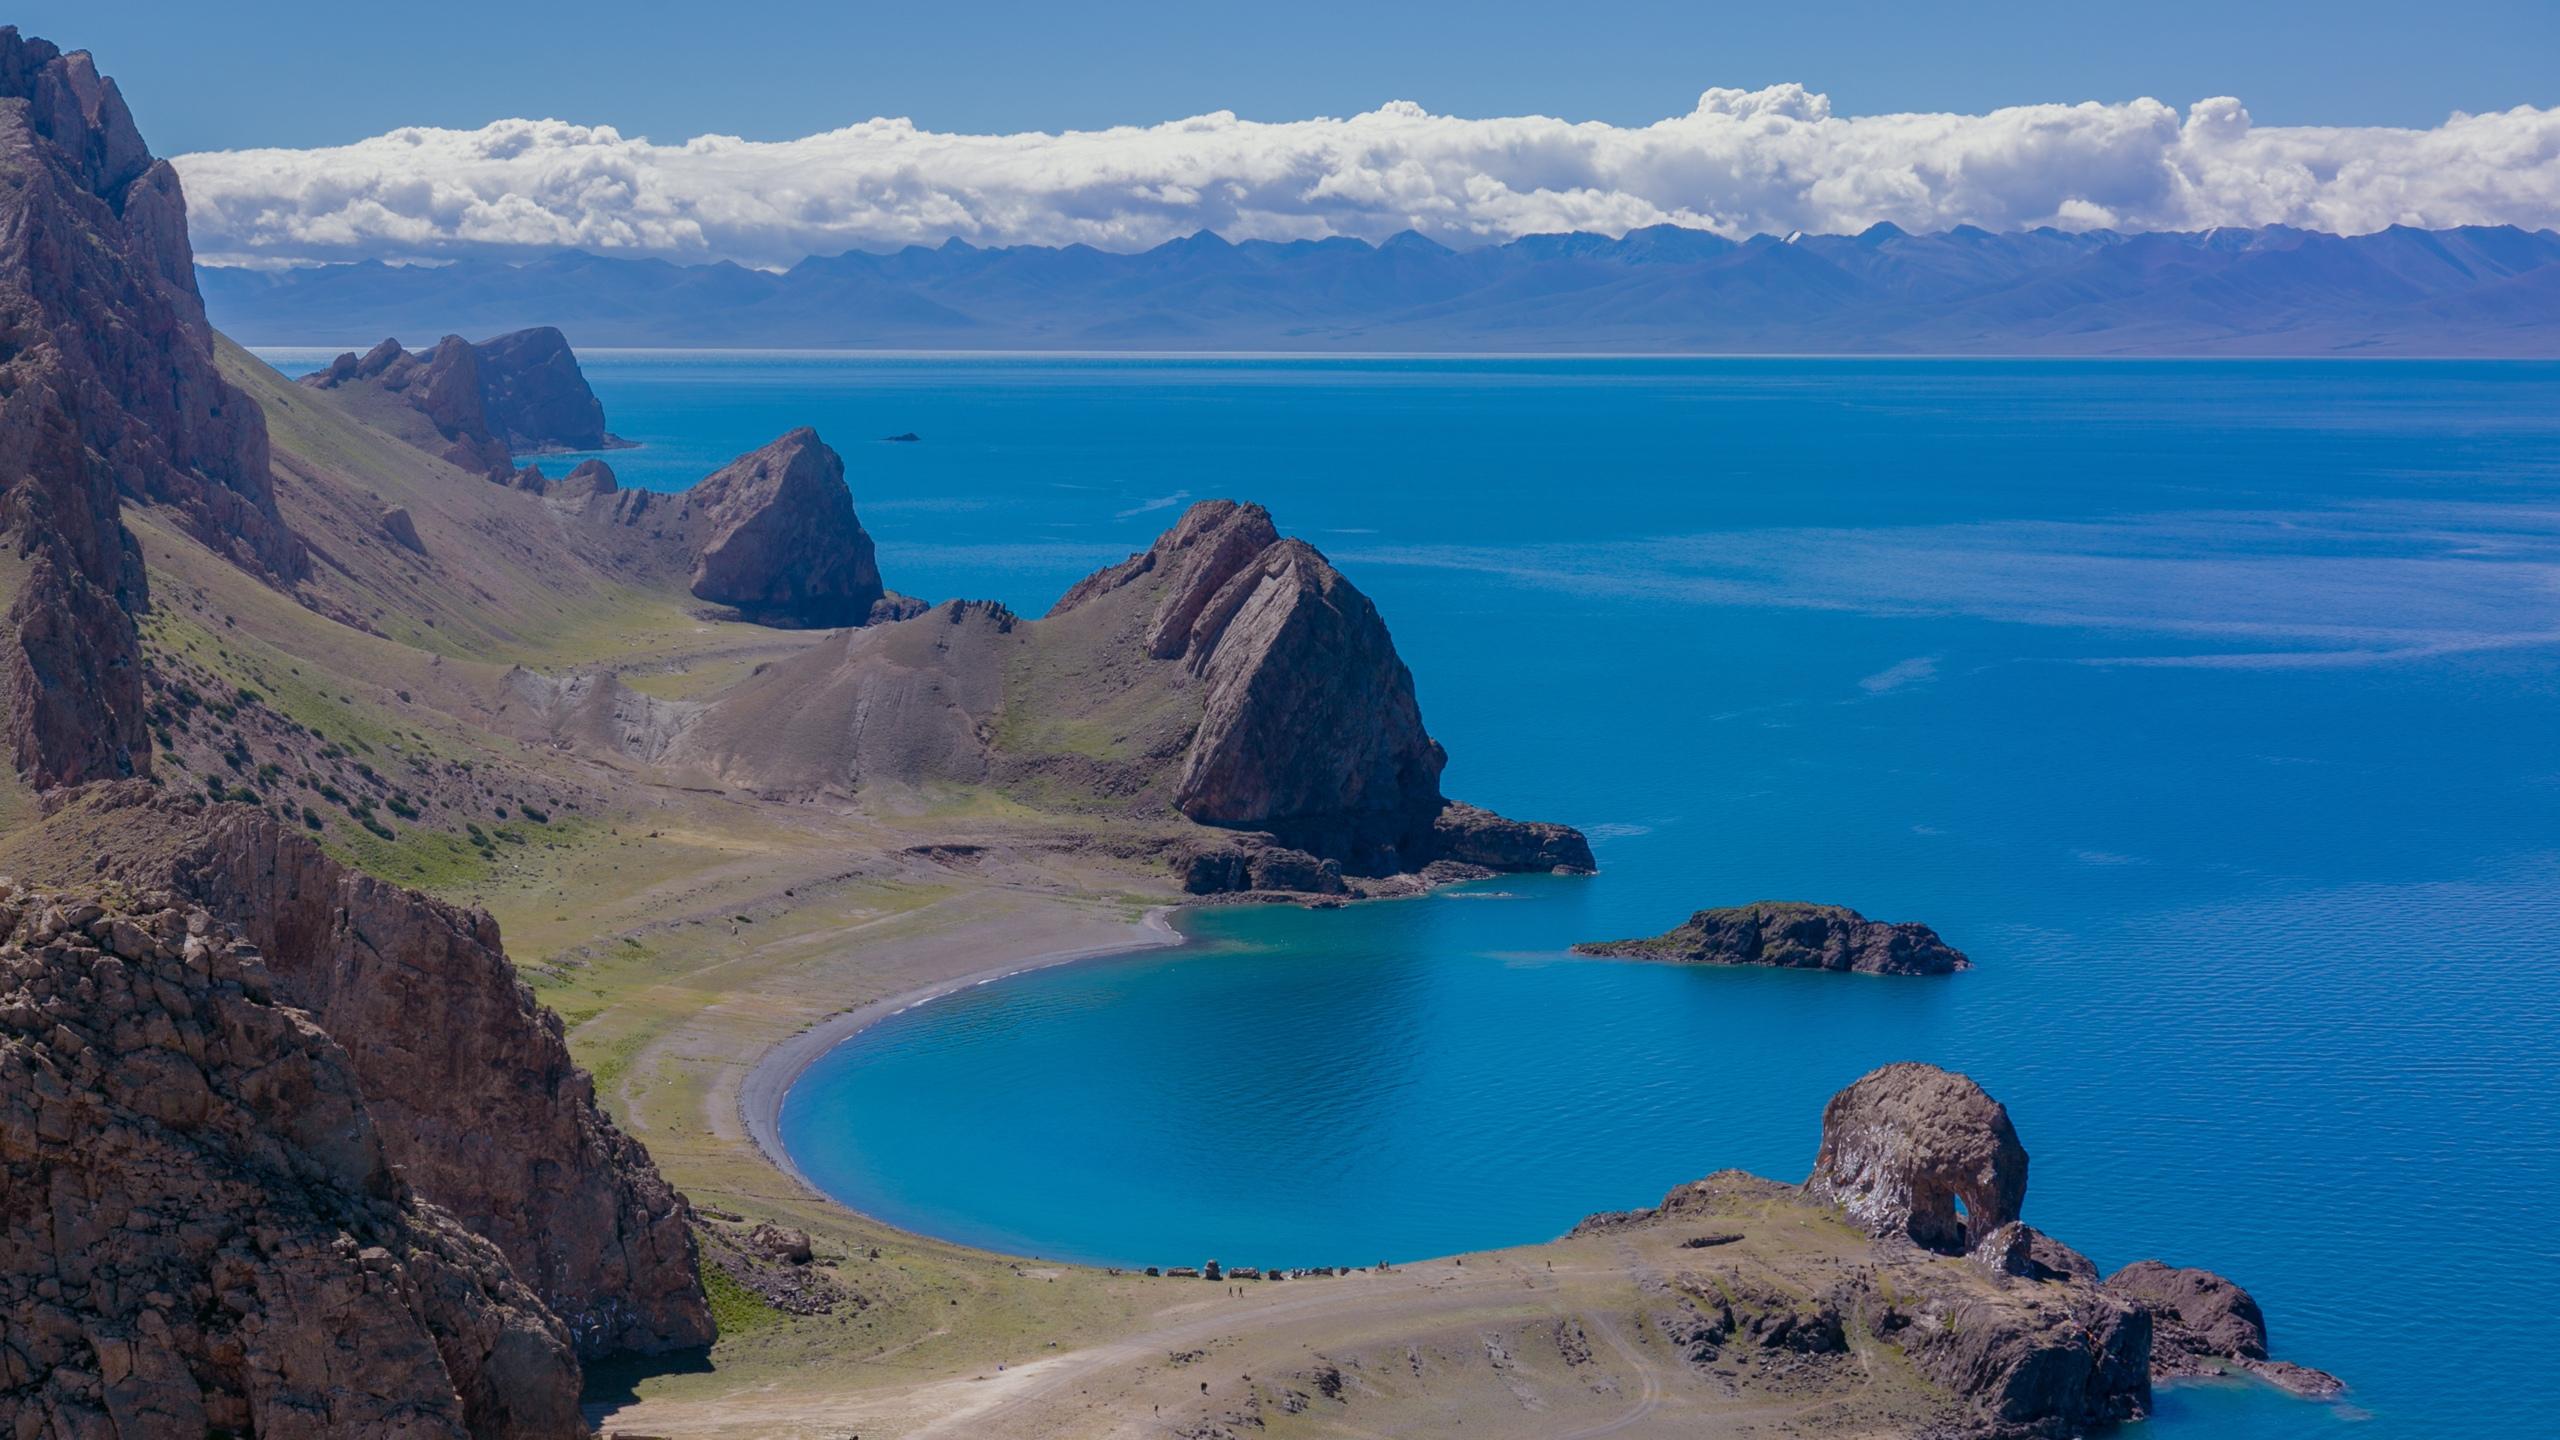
2473, 291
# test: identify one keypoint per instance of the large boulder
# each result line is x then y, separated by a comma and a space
201, 1230
1922, 1153
1793, 935
107, 391
777, 540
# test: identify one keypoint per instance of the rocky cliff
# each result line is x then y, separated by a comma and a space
1309, 731
107, 389
201, 1232
772, 535
481, 404
1792, 935
468, 1078
535, 395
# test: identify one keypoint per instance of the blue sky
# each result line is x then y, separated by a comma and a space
205, 76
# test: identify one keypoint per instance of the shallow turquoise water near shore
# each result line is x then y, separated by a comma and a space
2214, 708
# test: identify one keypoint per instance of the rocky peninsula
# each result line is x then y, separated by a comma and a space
415, 873
1791, 935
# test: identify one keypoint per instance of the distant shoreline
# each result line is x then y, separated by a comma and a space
761, 1094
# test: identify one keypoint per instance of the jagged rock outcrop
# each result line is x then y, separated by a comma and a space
107, 390
1792, 935
481, 1106
2204, 1325
200, 1231
484, 403
1309, 730
1922, 1153
536, 396
771, 535
445, 388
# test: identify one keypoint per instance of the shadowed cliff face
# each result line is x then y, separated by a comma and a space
110, 391
200, 1229
536, 396
471, 1082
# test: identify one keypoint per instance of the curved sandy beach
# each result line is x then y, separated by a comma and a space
771, 1076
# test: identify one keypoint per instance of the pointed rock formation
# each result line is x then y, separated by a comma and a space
1792, 935
107, 391
1922, 1153
1309, 730
201, 1232
771, 535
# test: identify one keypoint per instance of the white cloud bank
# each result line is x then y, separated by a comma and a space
1744, 162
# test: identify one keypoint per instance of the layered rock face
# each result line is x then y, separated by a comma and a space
200, 1232
1792, 935
518, 392
107, 389
1309, 729
1906, 1144
478, 1100
771, 535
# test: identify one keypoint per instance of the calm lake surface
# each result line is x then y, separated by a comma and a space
2214, 708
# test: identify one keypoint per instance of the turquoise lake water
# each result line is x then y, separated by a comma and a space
2213, 708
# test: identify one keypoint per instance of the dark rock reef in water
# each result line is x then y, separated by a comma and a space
483, 403
2206, 1325
771, 535
107, 392
481, 1108
1309, 731
201, 1230
1793, 935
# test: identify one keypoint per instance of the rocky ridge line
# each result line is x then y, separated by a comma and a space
107, 392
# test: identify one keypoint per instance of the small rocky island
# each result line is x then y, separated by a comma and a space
1792, 935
